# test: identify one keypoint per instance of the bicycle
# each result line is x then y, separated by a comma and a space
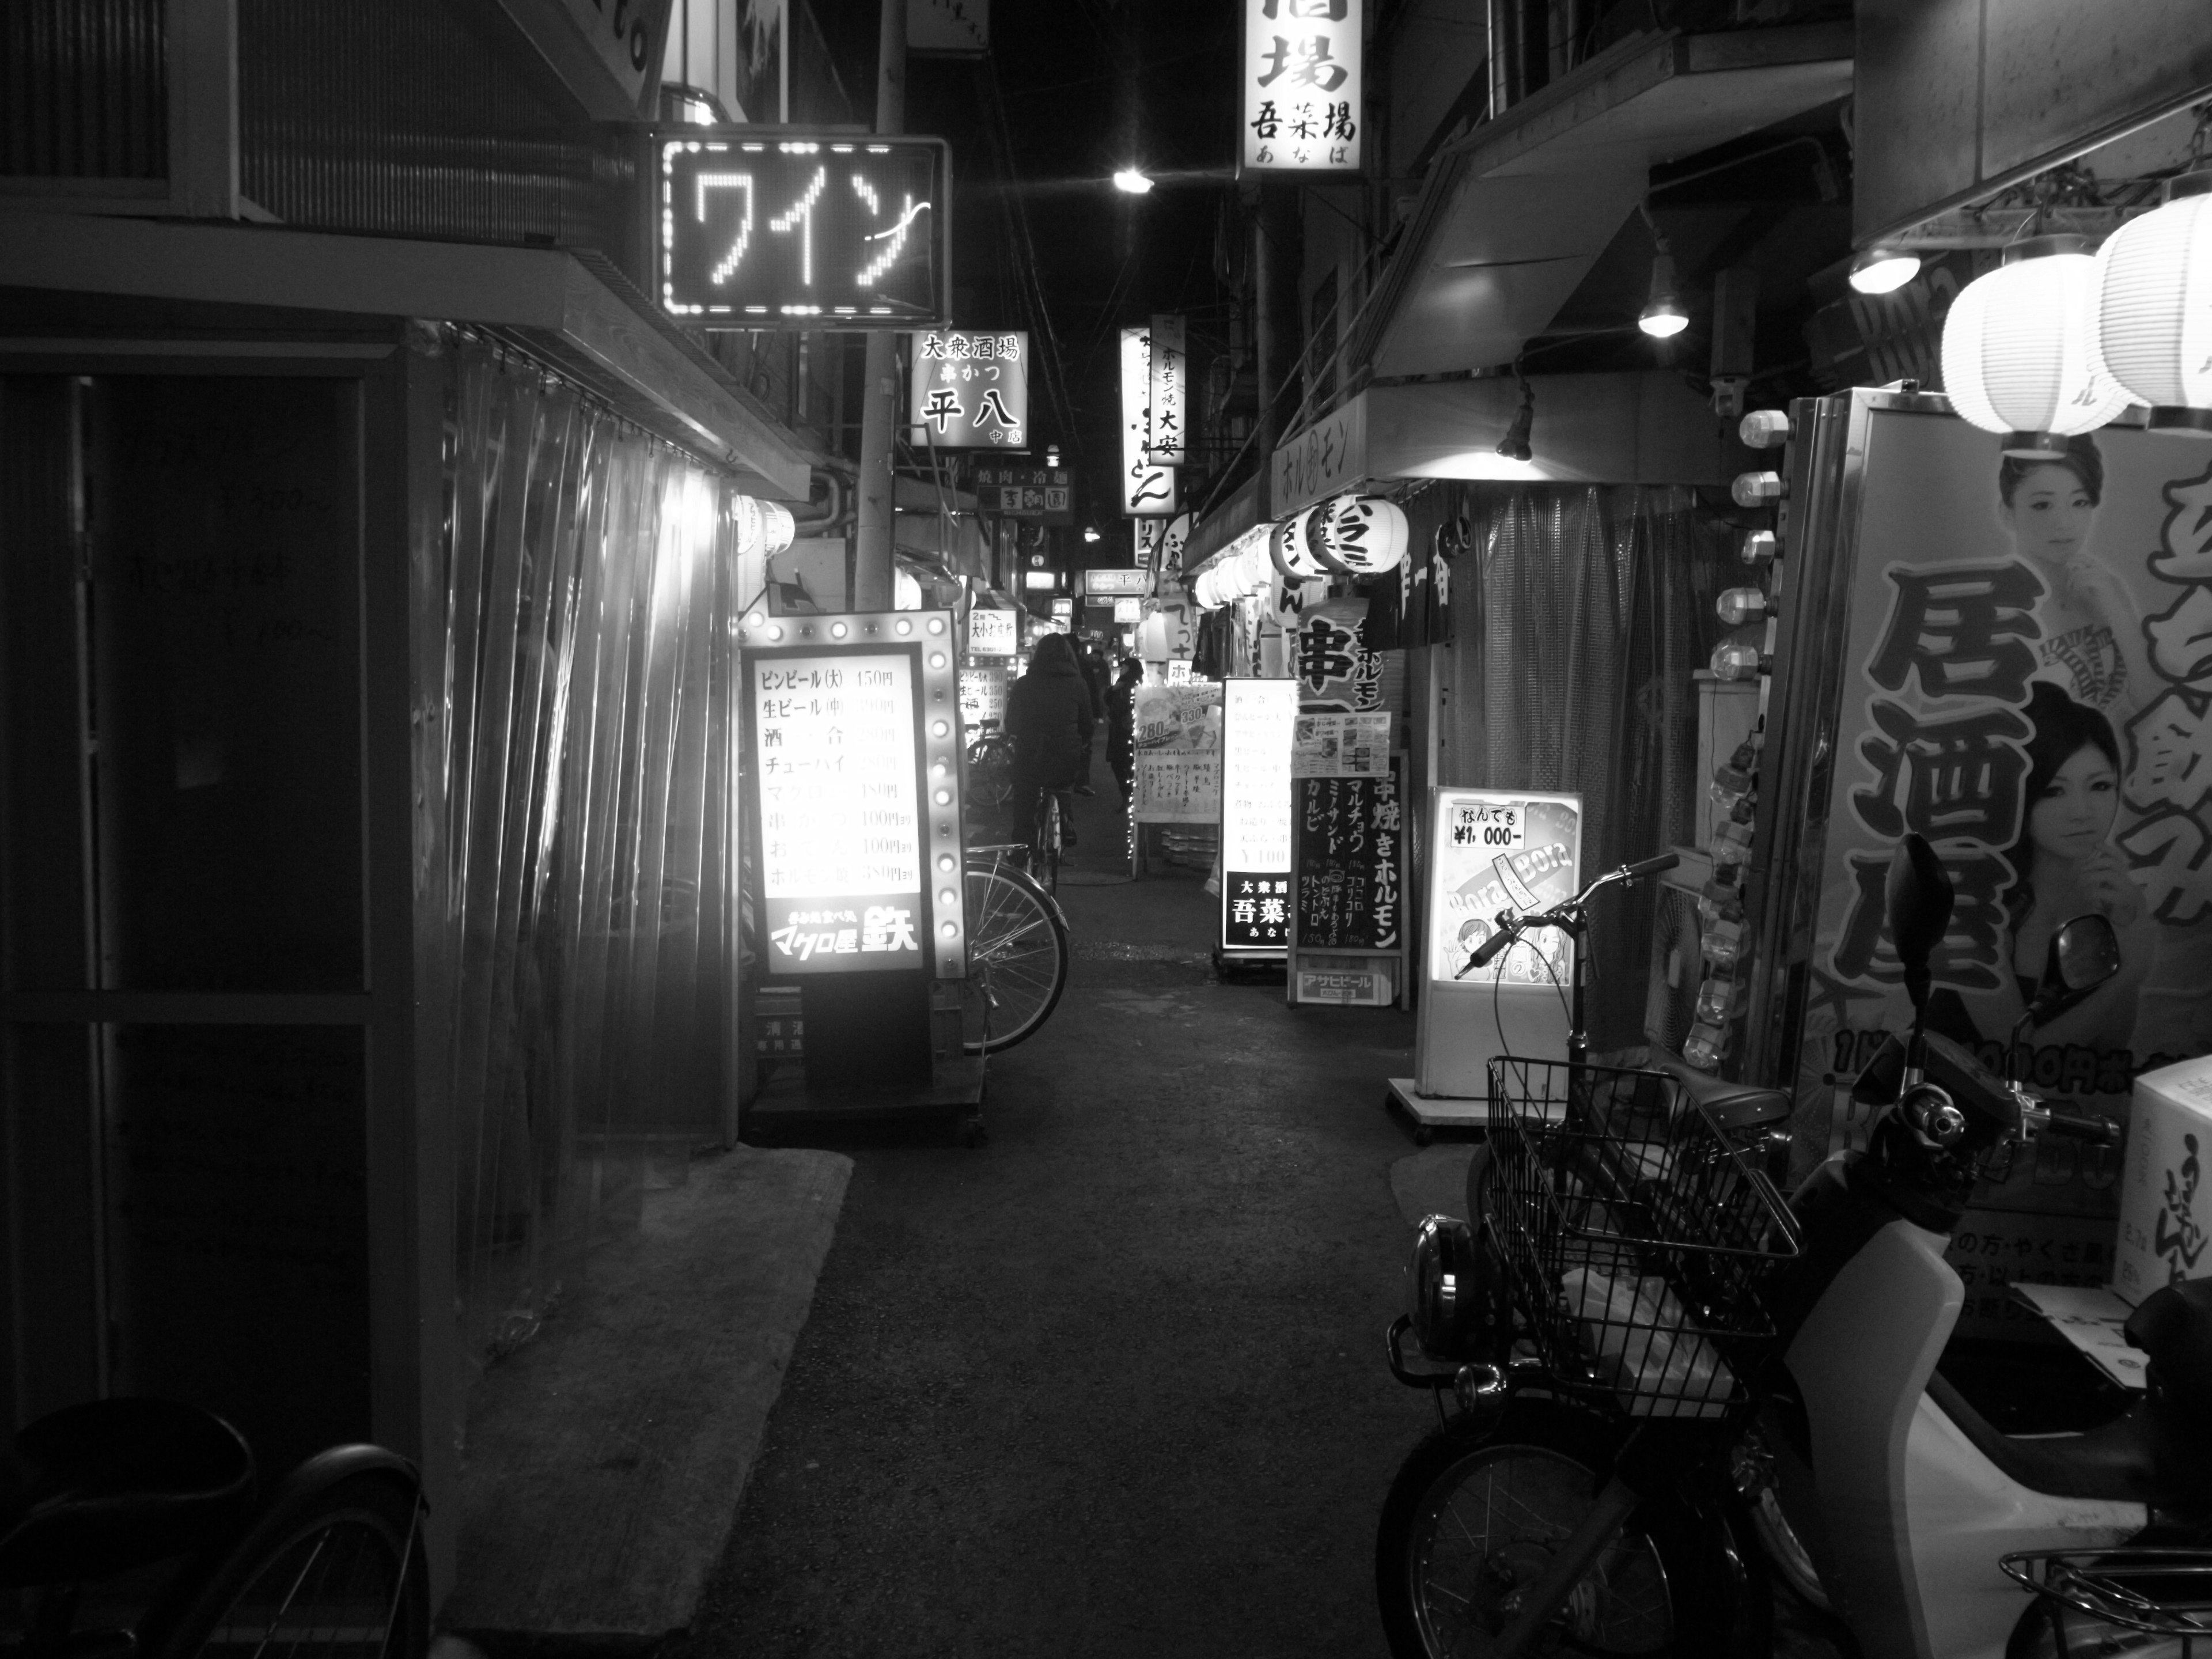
1047, 838
990, 782
1017, 950
332, 1563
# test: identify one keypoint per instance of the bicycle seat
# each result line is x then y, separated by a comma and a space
2160, 1453
1733, 1106
103, 1487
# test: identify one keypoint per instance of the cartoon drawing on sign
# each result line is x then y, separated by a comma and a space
2185, 1241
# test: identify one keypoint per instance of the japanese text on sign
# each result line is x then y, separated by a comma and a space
970, 391
1257, 718
1497, 826
1349, 832
1341, 745
1148, 489
1165, 442
1301, 86
990, 633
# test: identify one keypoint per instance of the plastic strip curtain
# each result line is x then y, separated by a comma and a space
574, 675
1596, 608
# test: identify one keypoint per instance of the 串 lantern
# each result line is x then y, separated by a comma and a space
2150, 308
2016, 355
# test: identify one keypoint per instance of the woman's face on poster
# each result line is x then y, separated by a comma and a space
2073, 814
2050, 513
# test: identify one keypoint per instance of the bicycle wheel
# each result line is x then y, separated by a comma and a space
1046, 865
1017, 959
1472, 1520
335, 1570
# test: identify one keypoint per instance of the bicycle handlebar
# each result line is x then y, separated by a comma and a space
1510, 927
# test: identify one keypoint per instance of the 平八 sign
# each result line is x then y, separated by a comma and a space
970, 391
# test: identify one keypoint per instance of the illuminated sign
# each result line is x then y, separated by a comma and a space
990, 633
983, 696
1035, 579
1148, 489
1165, 440
1258, 720
854, 746
1062, 609
1301, 87
1103, 583
1046, 494
803, 231
970, 391
1128, 611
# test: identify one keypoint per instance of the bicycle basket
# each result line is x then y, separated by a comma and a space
1638, 1234
2090, 1596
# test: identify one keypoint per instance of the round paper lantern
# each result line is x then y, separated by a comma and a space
2150, 308
2016, 349
1292, 552
1313, 525
1366, 534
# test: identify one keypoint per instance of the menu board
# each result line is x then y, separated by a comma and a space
1257, 720
982, 697
1340, 746
1348, 832
835, 752
1542, 840
1178, 754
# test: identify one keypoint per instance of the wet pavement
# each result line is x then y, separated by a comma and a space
1113, 1383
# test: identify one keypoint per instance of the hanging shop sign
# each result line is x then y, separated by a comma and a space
992, 633
970, 391
1148, 534
1518, 1003
983, 696
1128, 611
2025, 653
1301, 87
1257, 720
1334, 668
1045, 494
854, 754
1167, 440
1328, 457
1106, 584
1173, 540
948, 28
803, 230
1148, 489
1176, 734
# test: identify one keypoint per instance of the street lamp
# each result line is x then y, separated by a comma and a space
1133, 180
1089, 534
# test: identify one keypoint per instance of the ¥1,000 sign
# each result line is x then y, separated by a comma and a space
803, 230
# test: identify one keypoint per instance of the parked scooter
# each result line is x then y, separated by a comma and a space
1904, 1497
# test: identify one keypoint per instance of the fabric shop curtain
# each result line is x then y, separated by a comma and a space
574, 681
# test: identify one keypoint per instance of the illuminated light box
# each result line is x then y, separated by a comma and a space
990, 633
853, 733
1258, 718
1034, 578
803, 230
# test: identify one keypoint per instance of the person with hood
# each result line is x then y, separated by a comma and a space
1048, 718
1091, 660
1122, 725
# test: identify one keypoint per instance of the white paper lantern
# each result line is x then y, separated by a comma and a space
1366, 534
1291, 548
2016, 349
2150, 308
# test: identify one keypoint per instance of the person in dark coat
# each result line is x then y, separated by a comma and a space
1092, 661
1048, 718
1122, 725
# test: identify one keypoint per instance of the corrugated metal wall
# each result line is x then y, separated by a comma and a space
82, 93
408, 118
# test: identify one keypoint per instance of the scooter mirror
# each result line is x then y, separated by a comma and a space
2084, 952
1522, 895
1916, 897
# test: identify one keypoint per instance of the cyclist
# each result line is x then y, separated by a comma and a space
1048, 718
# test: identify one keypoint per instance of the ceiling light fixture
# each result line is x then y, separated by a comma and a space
1133, 180
1663, 317
1514, 446
1882, 269
1089, 534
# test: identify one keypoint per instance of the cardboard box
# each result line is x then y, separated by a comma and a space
2165, 1189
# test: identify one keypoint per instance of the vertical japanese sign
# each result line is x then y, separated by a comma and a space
1148, 489
1348, 832
1166, 443
1258, 718
835, 752
1301, 87
2027, 683
1334, 667
970, 391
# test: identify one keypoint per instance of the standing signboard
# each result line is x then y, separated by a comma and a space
1177, 740
1148, 489
1518, 1003
1257, 721
983, 696
968, 390
1300, 85
852, 821
2024, 672
1347, 916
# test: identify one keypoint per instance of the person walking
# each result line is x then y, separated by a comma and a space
1092, 661
1121, 726
1048, 718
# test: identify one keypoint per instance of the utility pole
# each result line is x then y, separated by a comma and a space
873, 588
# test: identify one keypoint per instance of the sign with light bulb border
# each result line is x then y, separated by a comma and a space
787, 228
852, 796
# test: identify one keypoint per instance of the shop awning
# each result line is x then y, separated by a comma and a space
1512, 218
578, 311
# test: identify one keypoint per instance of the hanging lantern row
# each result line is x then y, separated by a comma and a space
2057, 340
1351, 535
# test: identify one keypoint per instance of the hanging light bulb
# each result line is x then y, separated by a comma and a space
1663, 317
2150, 308
1514, 446
2017, 349
1882, 269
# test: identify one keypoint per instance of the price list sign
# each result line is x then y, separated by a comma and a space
1539, 839
842, 825
1349, 833
1258, 719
